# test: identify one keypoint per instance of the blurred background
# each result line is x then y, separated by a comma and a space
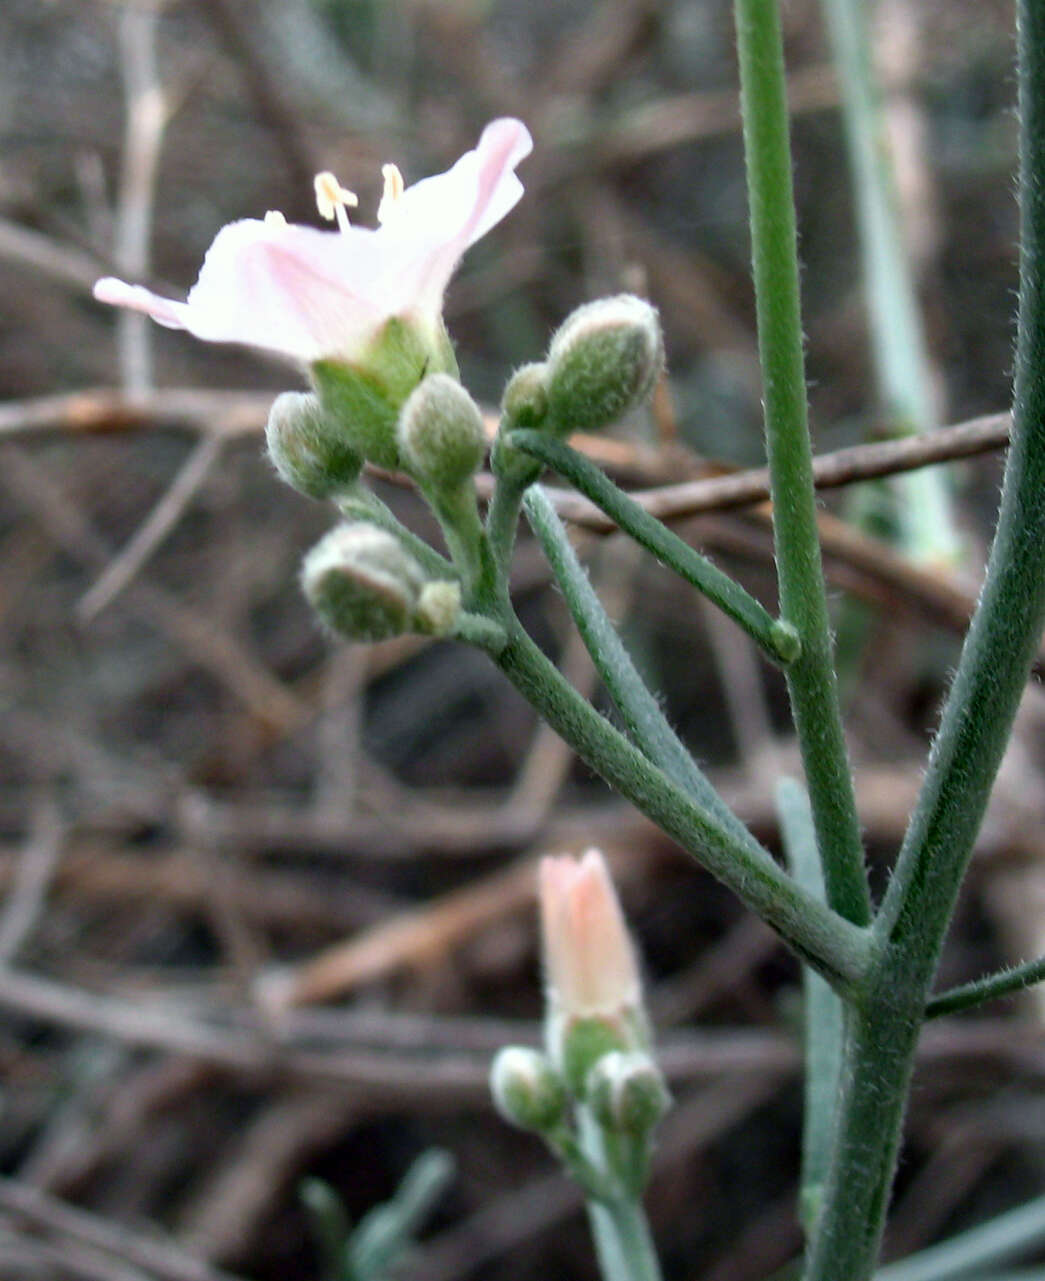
268, 901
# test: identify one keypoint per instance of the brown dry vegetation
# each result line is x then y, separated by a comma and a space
200, 797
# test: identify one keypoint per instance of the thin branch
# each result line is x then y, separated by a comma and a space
210, 646
38, 862
1005, 983
145, 121
106, 410
159, 523
163, 1259
830, 471
66, 263
440, 1060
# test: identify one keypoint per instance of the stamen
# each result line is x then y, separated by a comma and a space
394, 187
331, 199
275, 219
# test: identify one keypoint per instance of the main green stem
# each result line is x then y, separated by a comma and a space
996, 658
803, 604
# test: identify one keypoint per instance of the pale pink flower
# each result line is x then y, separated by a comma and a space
589, 960
308, 294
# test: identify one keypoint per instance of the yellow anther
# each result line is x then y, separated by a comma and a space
394, 187
331, 199
275, 219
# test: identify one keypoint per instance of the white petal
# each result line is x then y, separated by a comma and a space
438, 218
307, 294
165, 311
292, 290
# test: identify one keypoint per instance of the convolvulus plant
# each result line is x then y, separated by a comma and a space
361, 309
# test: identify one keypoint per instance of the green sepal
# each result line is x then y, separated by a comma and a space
365, 397
582, 1043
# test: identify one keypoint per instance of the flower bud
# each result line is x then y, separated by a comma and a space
441, 437
362, 582
627, 1094
308, 449
603, 361
525, 399
526, 1089
593, 993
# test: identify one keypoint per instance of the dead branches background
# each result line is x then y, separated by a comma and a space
267, 904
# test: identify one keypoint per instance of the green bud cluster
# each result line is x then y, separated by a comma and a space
603, 361
366, 586
365, 398
398, 404
579, 1044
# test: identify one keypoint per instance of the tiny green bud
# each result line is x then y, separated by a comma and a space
308, 449
524, 404
627, 1094
363, 583
603, 361
525, 399
441, 437
526, 1089
438, 608
786, 640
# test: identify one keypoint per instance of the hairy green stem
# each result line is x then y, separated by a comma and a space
458, 515
641, 712
811, 678
777, 641
622, 1241
1005, 983
502, 518
974, 729
835, 947
361, 503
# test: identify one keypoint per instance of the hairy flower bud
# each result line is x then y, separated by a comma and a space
441, 437
363, 583
525, 400
526, 1089
627, 1094
307, 447
593, 993
603, 361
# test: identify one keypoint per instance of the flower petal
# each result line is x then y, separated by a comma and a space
304, 293
165, 311
308, 294
439, 217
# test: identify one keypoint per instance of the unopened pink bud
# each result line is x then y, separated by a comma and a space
589, 960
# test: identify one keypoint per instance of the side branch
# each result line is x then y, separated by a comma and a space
833, 946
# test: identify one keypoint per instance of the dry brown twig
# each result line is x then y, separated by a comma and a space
163, 1260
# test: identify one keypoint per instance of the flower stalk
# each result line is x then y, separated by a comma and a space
811, 678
